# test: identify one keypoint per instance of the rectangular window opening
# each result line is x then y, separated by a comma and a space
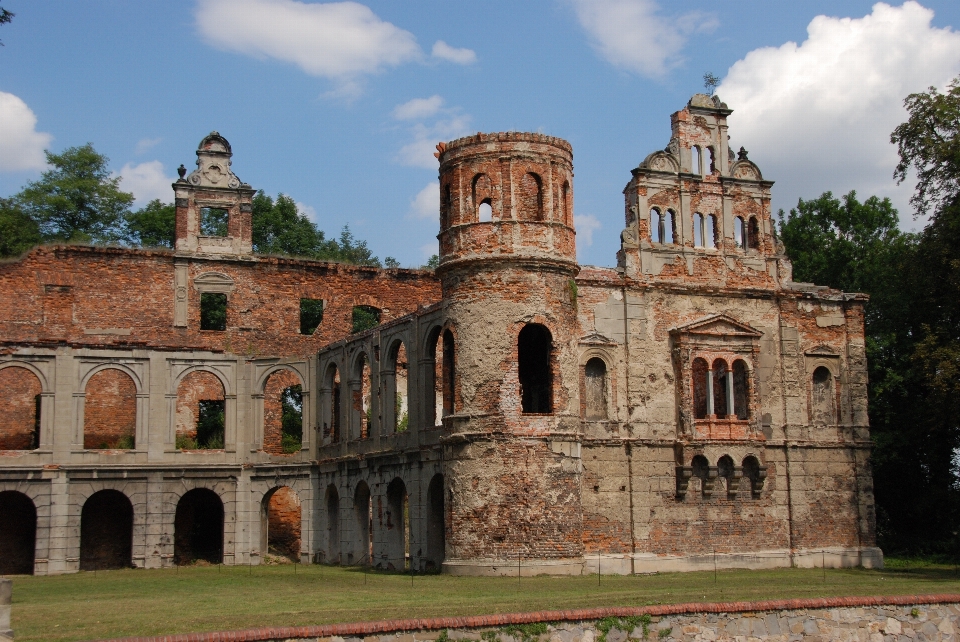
213, 311
213, 221
311, 315
365, 317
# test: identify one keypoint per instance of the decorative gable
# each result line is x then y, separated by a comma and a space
719, 326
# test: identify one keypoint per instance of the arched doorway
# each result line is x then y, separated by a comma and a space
18, 533
396, 529
363, 510
436, 536
198, 528
280, 520
106, 531
333, 525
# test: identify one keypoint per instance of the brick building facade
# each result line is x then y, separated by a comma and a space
692, 405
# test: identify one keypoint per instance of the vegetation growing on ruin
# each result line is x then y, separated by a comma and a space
912, 323
110, 604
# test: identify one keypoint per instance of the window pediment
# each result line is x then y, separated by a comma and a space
718, 325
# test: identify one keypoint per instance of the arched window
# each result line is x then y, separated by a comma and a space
700, 393
822, 398
19, 410
445, 207
696, 161
726, 471
701, 470
741, 389
534, 356
739, 233
565, 204
531, 198
755, 474
110, 410
395, 380
753, 234
201, 412
656, 226
698, 229
595, 389
282, 413
331, 424
713, 160
362, 399
720, 388
449, 374
668, 227
710, 232
485, 212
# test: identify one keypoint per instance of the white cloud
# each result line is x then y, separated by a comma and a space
818, 116
146, 144
631, 34
586, 225
419, 152
452, 54
307, 210
341, 41
21, 145
418, 108
147, 181
426, 204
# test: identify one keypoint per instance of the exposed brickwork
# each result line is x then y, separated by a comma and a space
284, 523
273, 408
19, 389
110, 410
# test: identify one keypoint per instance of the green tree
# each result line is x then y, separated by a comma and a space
77, 200
5, 17
351, 250
279, 228
154, 225
929, 142
18, 232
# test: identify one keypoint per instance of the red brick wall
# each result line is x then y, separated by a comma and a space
197, 386
110, 409
18, 391
273, 409
87, 296
284, 523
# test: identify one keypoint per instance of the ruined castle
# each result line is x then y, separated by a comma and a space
512, 411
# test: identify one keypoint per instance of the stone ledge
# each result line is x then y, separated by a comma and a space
356, 629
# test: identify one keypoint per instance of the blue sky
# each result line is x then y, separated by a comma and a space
339, 105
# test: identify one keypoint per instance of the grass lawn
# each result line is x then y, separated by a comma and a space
90, 605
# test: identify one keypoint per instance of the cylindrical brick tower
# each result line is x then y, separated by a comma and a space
507, 266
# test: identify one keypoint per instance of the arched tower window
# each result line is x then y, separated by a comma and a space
698, 229
656, 226
741, 389
534, 356
668, 227
595, 389
753, 234
739, 233
567, 207
445, 207
822, 397
700, 393
710, 232
720, 388
483, 197
531, 198
448, 375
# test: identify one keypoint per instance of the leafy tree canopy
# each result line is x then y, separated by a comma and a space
152, 226
929, 142
77, 199
18, 232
